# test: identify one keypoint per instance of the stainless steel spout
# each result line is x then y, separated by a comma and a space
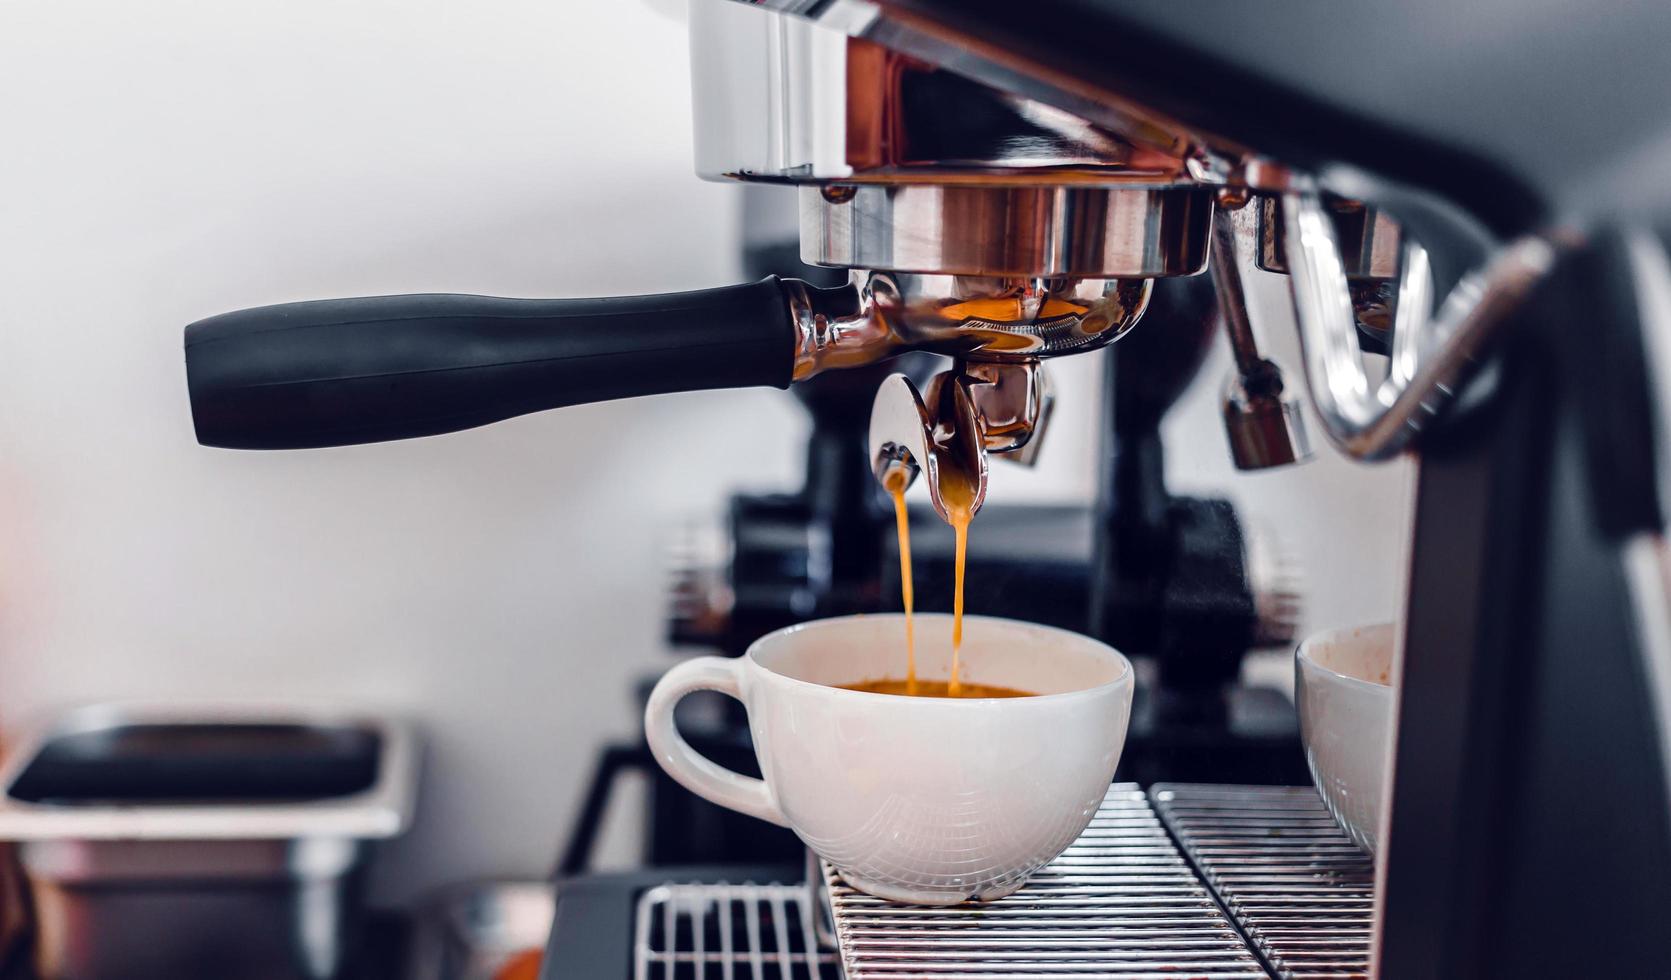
949, 430
907, 437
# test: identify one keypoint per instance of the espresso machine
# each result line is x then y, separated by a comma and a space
1470, 206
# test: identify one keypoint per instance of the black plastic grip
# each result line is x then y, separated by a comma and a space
378, 368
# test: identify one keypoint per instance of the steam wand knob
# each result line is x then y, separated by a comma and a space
1261, 417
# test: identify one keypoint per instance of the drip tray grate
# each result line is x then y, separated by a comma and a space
1298, 887
729, 932
1120, 903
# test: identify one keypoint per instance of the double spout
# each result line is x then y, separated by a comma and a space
948, 431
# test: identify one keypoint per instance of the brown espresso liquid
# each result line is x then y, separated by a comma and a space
957, 491
935, 689
902, 525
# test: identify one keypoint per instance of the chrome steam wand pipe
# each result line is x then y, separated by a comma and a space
1432, 353
1261, 419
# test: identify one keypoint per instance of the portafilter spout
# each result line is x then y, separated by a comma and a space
947, 431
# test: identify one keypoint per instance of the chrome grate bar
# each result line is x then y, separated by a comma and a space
1121, 903
729, 932
1298, 887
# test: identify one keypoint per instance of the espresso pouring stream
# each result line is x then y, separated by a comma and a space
957, 490
960, 511
902, 525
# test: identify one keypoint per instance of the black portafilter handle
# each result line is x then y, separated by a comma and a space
379, 368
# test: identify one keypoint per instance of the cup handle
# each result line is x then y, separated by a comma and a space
694, 772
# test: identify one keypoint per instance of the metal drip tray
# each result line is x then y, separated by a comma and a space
1300, 890
1121, 902
1124, 902
734, 932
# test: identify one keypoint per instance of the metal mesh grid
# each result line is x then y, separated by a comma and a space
1298, 887
1120, 903
729, 932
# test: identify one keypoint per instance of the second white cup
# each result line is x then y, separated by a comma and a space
929, 801
1342, 686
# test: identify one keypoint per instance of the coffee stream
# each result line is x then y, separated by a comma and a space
958, 494
896, 489
902, 525
957, 491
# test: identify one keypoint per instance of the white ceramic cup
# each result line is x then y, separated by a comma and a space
931, 801
1341, 680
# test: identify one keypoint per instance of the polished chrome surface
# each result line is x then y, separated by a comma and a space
1012, 402
962, 415
851, 97
938, 437
914, 34
1370, 240
1261, 417
1433, 353
157, 907
1120, 902
880, 314
838, 327
993, 318
1022, 231
1374, 305
901, 438
1298, 888
1265, 428
729, 932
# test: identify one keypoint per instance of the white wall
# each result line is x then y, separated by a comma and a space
167, 160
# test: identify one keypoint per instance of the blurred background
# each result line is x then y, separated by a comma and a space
502, 587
